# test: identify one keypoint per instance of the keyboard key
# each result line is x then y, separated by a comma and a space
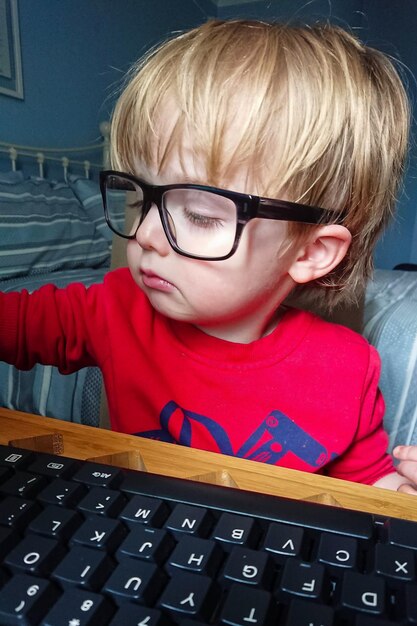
236, 530
98, 475
411, 602
135, 581
190, 520
101, 501
283, 539
249, 567
25, 599
247, 607
83, 567
394, 562
147, 544
401, 532
201, 556
190, 595
144, 510
302, 613
57, 522
80, 608
140, 616
338, 550
8, 539
363, 593
23, 485
15, 458
101, 533
17, 512
303, 579
35, 555
368, 620
62, 493
53, 466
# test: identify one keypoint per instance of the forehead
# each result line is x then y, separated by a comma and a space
181, 153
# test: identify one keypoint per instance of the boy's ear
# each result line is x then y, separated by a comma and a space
321, 253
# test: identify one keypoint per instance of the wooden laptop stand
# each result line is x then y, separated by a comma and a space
84, 442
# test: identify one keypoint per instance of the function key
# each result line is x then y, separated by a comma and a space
15, 457
51, 465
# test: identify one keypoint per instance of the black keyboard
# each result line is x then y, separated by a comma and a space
86, 544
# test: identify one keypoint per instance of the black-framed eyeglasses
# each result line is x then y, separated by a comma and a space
199, 222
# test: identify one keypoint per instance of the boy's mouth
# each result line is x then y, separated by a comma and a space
153, 281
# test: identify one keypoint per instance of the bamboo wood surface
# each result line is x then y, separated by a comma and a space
84, 442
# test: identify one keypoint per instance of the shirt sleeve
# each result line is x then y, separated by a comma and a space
50, 326
366, 460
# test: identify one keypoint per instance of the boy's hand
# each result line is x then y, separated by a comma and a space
407, 455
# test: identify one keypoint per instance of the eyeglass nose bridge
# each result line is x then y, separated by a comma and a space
151, 195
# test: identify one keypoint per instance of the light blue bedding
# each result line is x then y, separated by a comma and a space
390, 324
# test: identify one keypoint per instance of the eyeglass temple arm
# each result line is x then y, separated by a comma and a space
294, 212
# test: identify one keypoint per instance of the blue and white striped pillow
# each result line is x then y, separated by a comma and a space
88, 193
44, 228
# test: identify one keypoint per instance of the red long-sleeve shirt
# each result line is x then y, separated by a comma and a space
305, 396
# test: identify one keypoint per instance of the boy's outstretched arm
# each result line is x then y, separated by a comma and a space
404, 479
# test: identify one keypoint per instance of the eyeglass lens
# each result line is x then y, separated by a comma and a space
199, 222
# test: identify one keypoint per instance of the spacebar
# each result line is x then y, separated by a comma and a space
272, 508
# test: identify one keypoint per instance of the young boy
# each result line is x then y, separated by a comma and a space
194, 340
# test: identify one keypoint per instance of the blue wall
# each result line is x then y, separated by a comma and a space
389, 26
75, 53
394, 31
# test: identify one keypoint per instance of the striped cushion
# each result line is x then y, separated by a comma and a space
89, 195
44, 228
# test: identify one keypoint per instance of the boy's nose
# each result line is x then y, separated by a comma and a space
150, 234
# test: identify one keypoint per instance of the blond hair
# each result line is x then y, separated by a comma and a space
314, 113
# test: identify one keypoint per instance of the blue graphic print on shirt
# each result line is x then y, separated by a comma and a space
276, 436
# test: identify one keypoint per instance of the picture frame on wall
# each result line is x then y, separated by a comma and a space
11, 77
